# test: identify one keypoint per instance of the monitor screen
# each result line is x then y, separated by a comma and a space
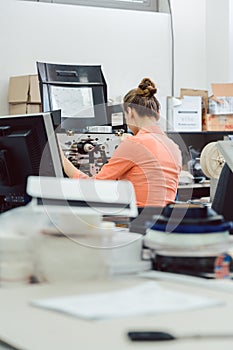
79, 91
75, 102
28, 146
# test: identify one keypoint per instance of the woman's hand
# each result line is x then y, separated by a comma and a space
68, 167
125, 136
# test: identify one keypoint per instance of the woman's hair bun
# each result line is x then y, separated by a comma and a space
147, 88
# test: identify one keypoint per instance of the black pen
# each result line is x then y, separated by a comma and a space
164, 336
7, 346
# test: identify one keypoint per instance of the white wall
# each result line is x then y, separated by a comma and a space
190, 44
231, 41
129, 45
219, 20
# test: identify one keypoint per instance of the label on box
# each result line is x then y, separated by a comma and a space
187, 115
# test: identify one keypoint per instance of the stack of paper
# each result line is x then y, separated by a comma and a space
147, 298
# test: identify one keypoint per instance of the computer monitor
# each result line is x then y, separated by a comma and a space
28, 146
56, 119
223, 198
80, 91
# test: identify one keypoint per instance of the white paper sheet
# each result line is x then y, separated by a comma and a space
147, 298
74, 102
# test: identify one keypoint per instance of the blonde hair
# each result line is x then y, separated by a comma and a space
142, 99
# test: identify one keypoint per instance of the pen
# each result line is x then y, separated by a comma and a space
6, 346
163, 336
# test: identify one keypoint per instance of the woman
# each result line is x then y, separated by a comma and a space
148, 158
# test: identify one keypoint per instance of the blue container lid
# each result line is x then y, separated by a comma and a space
190, 218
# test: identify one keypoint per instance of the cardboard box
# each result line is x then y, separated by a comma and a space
217, 122
34, 108
203, 93
184, 114
24, 108
24, 95
17, 108
221, 102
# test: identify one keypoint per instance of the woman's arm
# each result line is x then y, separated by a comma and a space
71, 171
119, 163
69, 168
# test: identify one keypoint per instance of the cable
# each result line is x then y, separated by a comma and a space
172, 49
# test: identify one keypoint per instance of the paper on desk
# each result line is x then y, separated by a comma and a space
147, 298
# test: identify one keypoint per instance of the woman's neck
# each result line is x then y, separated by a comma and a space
145, 122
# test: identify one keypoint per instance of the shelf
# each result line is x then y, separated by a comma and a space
193, 191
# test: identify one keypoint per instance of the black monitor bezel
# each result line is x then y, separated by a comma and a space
42, 150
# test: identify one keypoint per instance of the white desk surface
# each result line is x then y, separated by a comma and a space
31, 328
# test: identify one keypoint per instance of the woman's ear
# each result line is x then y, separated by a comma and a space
128, 110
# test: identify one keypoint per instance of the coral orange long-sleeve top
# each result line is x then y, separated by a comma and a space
151, 161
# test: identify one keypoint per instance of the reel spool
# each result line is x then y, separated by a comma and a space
212, 162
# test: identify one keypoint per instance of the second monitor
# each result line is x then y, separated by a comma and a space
28, 146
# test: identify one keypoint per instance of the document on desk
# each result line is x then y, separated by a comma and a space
145, 299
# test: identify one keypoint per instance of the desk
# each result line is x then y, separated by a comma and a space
32, 328
193, 191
